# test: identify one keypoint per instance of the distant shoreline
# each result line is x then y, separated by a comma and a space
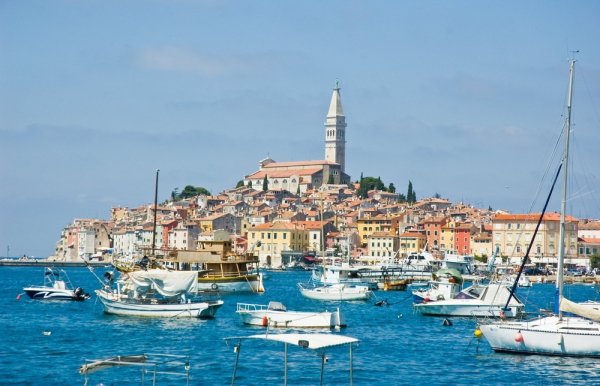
46, 263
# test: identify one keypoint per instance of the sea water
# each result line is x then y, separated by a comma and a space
45, 343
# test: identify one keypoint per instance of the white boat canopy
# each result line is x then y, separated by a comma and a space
312, 341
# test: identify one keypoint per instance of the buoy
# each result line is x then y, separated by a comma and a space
478, 334
519, 337
260, 288
447, 322
265, 321
19, 297
426, 299
47, 333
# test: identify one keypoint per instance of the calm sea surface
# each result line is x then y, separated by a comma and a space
397, 347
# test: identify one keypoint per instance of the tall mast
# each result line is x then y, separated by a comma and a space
563, 204
155, 211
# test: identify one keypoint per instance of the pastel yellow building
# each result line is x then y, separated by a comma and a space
411, 242
366, 226
270, 239
512, 234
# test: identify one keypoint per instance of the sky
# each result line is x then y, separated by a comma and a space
465, 99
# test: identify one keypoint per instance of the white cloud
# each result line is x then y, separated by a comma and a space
169, 58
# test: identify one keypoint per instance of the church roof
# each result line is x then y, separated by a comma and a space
273, 165
335, 107
284, 173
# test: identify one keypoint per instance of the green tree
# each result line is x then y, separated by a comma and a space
330, 179
191, 191
409, 193
265, 184
369, 183
437, 195
595, 261
249, 184
175, 194
240, 184
391, 188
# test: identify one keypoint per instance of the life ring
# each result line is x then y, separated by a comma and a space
214, 286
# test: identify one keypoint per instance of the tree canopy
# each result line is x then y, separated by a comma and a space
189, 191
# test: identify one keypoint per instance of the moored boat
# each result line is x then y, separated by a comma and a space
336, 292
479, 300
57, 286
157, 293
275, 314
573, 329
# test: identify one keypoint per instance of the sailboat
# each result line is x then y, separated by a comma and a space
575, 335
155, 292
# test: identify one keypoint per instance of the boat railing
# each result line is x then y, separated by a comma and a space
212, 275
251, 307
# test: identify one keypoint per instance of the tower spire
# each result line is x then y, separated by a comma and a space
335, 130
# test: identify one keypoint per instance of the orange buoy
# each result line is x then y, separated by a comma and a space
519, 337
265, 321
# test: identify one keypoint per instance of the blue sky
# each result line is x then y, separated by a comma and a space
463, 98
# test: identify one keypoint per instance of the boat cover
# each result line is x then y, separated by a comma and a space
167, 283
587, 311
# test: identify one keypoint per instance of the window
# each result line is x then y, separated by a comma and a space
285, 236
275, 236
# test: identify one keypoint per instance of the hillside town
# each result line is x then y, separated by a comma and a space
285, 211
277, 226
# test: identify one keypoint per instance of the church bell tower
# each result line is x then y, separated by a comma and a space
335, 131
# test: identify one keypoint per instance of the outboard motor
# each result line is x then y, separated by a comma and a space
80, 295
109, 276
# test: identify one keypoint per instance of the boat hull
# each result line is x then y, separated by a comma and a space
478, 309
337, 292
250, 283
49, 293
115, 305
573, 336
291, 319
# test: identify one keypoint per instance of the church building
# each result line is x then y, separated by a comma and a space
300, 176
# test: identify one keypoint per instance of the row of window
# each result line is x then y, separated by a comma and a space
284, 236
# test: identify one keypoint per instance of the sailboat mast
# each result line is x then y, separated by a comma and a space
155, 211
563, 204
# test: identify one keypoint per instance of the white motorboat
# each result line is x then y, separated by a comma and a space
462, 263
487, 300
57, 286
275, 314
317, 342
336, 292
157, 293
557, 334
523, 281
447, 284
